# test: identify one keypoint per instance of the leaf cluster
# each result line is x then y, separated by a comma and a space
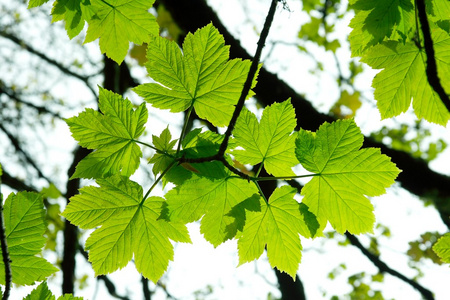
387, 36
228, 202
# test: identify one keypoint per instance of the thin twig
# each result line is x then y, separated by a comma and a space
250, 77
44, 57
15, 97
108, 283
431, 69
5, 253
384, 268
15, 142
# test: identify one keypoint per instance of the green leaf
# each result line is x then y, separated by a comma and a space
41, 292
113, 134
128, 226
200, 76
163, 159
25, 227
376, 20
69, 297
118, 22
36, 3
442, 248
404, 77
270, 141
276, 226
213, 199
74, 13
344, 174
438, 12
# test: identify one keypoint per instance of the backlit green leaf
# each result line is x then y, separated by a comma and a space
276, 226
128, 226
25, 227
404, 77
271, 141
118, 22
74, 13
200, 76
112, 134
376, 20
345, 174
41, 292
163, 159
213, 199
442, 248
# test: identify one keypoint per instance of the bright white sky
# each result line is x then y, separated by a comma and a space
199, 264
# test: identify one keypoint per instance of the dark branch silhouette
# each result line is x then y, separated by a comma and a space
431, 70
15, 183
14, 96
108, 283
44, 57
384, 268
16, 144
5, 252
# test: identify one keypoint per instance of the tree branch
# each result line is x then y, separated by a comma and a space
15, 97
289, 289
250, 76
70, 233
5, 253
15, 183
44, 57
384, 268
145, 289
430, 184
431, 70
108, 283
16, 144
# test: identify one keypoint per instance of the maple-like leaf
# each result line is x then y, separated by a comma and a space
164, 158
112, 134
376, 20
74, 13
438, 12
276, 226
271, 141
118, 22
25, 228
200, 76
36, 3
128, 226
212, 198
442, 248
41, 292
404, 77
344, 174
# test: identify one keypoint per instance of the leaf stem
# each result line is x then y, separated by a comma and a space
156, 149
5, 253
282, 177
158, 180
431, 69
250, 77
148, 145
260, 168
183, 131
261, 192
